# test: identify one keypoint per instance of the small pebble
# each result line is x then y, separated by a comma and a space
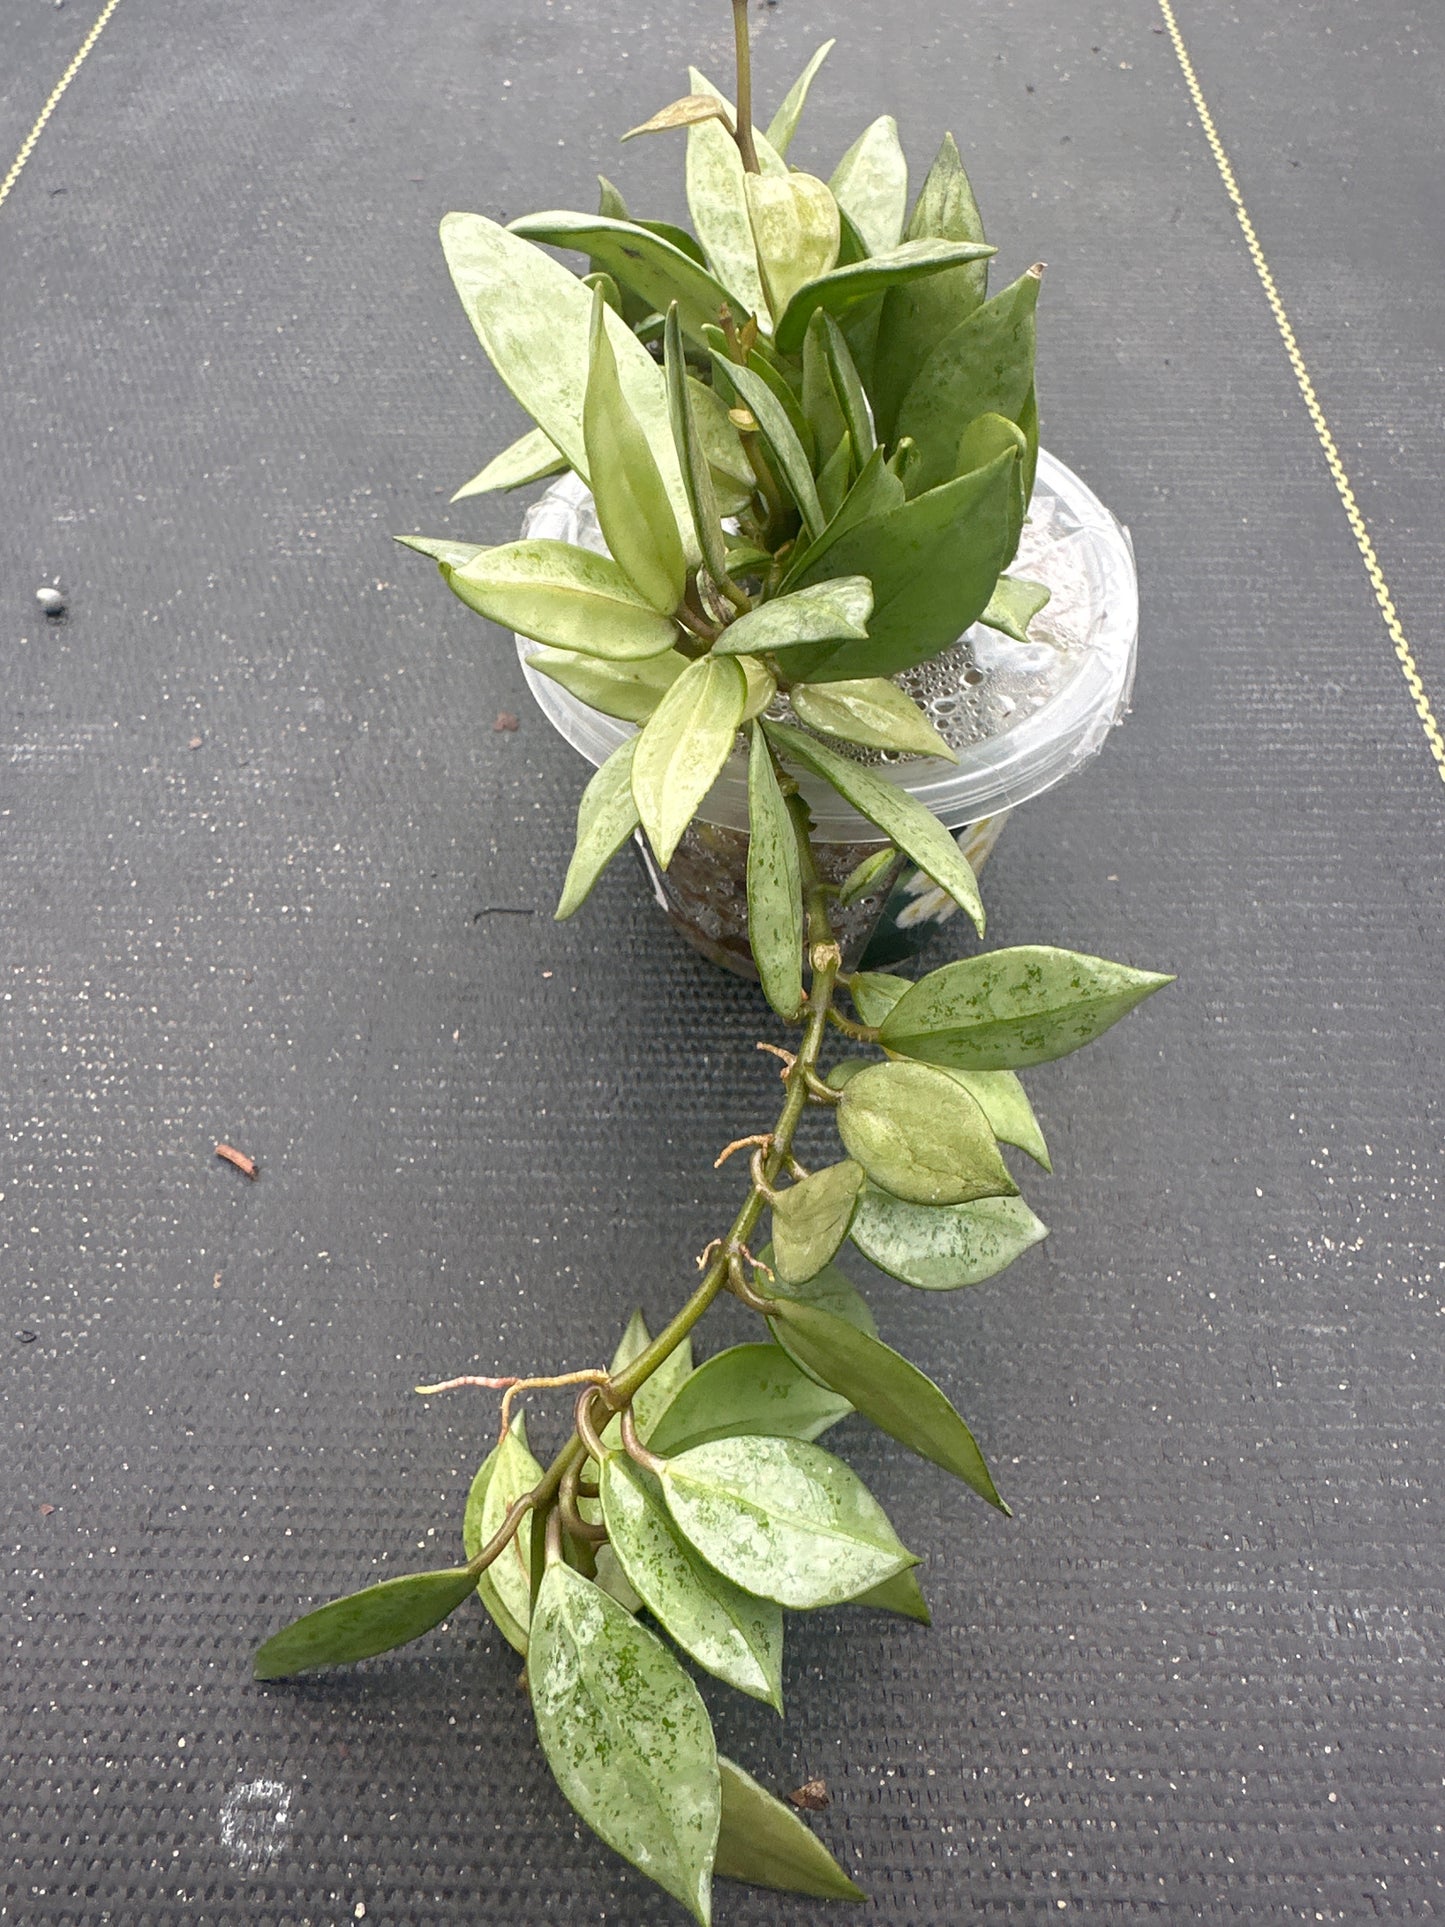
50, 600
505, 720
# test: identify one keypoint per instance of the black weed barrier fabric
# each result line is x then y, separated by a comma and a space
257, 826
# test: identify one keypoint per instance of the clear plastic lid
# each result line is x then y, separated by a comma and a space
1020, 715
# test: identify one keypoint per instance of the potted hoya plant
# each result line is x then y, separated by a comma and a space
799, 447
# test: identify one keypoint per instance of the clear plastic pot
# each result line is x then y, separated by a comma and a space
1022, 716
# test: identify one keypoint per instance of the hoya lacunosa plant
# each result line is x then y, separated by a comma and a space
810, 434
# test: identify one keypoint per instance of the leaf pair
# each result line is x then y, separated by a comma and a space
629, 1741
534, 319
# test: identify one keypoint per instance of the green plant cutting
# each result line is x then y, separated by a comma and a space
809, 430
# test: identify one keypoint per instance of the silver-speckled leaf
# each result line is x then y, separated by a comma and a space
774, 884
1012, 1008
921, 1136
683, 746
505, 1587
902, 819
783, 1519
626, 1735
534, 318
729, 1632
943, 1247
870, 710
871, 184
567, 596
811, 1219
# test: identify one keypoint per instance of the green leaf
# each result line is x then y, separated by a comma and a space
627, 1736
874, 993
682, 113
726, 1630
811, 1219
795, 232
1029, 422
529, 459
876, 491
702, 495
847, 386
639, 258
761, 363
451, 555
762, 687
746, 1389
821, 403
867, 876
984, 366
632, 507
534, 320
869, 710
915, 318
871, 183
839, 607
609, 1575
845, 1070
831, 1290
783, 1519
882, 1385
606, 817
364, 1623
732, 478
902, 1594
921, 1136
629, 690
1014, 604
933, 563
775, 884
659, 1391
563, 595
1012, 1008
683, 746
784, 124
764, 1842
833, 477
505, 1587
633, 1343
782, 441
943, 1247
916, 831
1004, 1102
846, 286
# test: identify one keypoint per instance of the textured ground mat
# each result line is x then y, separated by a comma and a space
271, 876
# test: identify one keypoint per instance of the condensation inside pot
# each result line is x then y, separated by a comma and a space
704, 892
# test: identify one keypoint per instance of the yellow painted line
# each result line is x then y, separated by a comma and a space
1403, 652
28, 145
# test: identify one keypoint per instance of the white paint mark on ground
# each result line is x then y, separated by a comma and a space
254, 1818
